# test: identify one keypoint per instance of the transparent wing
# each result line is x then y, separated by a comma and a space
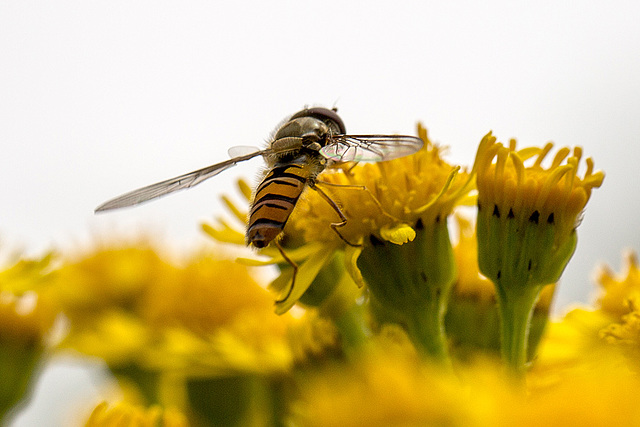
370, 148
174, 184
242, 150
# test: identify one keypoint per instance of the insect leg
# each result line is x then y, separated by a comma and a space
343, 219
362, 188
347, 170
293, 265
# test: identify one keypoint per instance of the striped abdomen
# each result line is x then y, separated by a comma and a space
274, 200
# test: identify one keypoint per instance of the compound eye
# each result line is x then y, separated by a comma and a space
324, 114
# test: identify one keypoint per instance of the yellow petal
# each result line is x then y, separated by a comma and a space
307, 272
351, 254
399, 234
226, 235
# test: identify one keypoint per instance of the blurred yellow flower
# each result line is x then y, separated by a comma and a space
24, 320
118, 337
203, 295
603, 392
107, 277
124, 414
387, 385
470, 283
390, 386
313, 338
618, 288
130, 307
222, 315
183, 334
26, 274
626, 334
587, 335
569, 344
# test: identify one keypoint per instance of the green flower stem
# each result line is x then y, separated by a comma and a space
410, 284
147, 381
353, 328
473, 324
238, 400
516, 305
520, 252
18, 372
426, 325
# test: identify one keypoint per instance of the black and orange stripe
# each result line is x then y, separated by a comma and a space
274, 200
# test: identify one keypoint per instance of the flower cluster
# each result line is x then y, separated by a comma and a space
411, 313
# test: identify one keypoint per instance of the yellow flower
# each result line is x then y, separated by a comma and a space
118, 337
313, 338
535, 210
406, 258
389, 201
128, 306
470, 283
626, 335
24, 320
108, 277
99, 293
218, 312
397, 194
580, 379
180, 333
221, 230
587, 337
124, 414
26, 274
526, 227
619, 288
25, 323
619, 305
396, 214
602, 393
203, 295
570, 344
385, 386
584, 337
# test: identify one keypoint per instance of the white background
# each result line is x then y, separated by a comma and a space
98, 98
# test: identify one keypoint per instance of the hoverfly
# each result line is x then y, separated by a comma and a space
306, 144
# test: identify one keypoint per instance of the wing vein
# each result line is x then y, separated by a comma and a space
171, 185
